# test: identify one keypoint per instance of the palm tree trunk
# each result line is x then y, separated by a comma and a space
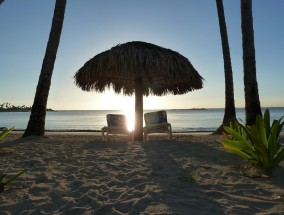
36, 124
252, 103
230, 111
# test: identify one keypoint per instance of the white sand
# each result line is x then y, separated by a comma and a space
76, 173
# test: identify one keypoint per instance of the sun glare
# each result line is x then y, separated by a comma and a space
111, 101
130, 116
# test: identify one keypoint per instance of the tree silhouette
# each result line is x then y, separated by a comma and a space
36, 124
230, 110
252, 103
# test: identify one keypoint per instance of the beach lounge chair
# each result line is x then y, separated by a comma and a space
156, 122
116, 124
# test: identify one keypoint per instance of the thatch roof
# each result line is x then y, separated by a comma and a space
162, 71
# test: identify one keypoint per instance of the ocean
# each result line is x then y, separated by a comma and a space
182, 120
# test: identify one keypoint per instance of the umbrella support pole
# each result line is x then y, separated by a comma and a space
138, 132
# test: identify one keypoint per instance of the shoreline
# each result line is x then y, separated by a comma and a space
99, 131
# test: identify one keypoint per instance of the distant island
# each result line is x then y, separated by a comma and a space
190, 109
7, 107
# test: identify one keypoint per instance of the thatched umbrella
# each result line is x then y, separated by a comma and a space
140, 68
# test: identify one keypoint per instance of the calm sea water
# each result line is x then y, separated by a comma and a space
181, 120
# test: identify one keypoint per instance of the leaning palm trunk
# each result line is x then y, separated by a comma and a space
36, 125
252, 103
230, 111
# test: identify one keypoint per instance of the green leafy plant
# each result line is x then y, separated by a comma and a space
258, 144
3, 175
5, 133
4, 182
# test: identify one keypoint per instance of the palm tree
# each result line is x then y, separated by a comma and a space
36, 124
230, 111
252, 103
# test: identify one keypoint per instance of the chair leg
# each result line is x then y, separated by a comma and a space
131, 136
170, 135
170, 132
145, 137
103, 135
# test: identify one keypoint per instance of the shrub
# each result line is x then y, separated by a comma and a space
258, 144
5, 133
3, 180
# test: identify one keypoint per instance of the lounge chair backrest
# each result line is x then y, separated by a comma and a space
116, 120
156, 117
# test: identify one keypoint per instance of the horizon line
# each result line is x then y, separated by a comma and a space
159, 109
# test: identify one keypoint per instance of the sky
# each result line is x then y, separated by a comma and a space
90, 27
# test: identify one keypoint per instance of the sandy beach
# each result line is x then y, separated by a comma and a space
77, 173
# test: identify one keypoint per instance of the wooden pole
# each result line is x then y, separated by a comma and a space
138, 132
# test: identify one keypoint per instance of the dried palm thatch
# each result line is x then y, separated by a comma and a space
162, 71
140, 68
